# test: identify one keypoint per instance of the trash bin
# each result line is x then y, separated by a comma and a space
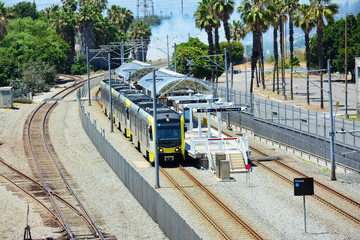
219, 156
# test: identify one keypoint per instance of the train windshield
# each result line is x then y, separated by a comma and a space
169, 135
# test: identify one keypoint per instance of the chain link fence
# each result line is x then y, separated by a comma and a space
295, 127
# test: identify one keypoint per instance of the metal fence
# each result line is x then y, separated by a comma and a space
173, 226
293, 126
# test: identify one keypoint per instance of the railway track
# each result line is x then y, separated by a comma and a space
227, 223
324, 194
57, 194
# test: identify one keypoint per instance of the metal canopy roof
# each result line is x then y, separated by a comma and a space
136, 68
170, 82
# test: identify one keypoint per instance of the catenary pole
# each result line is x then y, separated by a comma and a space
332, 131
157, 184
110, 96
88, 74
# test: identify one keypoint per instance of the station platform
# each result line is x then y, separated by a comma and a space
203, 149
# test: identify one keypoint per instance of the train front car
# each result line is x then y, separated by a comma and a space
170, 135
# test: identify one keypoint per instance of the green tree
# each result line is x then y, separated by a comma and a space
140, 34
334, 44
29, 39
194, 50
121, 17
38, 76
8, 70
237, 52
64, 22
222, 9
322, 10
306, 21
25, 9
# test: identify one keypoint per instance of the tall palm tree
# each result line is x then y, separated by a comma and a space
222, 9
322, 9
140, 32
275, 6
205, 21
238, 30
254, 14
291, 7
306, 21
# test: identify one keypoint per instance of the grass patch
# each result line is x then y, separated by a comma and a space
306, 161
325, 170
352, 117
22, 100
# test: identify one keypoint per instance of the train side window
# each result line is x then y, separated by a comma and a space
127, 113
150, 133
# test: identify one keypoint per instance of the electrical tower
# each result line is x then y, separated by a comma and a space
145, 8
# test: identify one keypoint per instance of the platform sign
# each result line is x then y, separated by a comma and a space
303, 186
219, 109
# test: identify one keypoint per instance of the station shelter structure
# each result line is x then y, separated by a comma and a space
134, 70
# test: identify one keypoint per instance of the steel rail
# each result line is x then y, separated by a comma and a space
342, 212
236, 217
197, 206
41, 186
63, 176
62, 222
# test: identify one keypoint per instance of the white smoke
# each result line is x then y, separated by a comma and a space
177, 29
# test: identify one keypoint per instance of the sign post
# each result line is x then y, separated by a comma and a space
302, 187
248, 169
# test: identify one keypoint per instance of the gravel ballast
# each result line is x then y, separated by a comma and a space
268, 202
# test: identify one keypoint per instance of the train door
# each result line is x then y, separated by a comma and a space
127, 122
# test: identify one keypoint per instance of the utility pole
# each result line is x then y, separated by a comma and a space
346, 72
137, 8
167, 45
175, 57
182, 7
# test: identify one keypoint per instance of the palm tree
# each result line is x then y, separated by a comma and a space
291, 7
255, 15
322, 9
140, 32
306, 21
3, 21
275, 6
126, 19
205, 21
238, 30
222, 9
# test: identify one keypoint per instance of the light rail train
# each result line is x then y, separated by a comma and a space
133, 115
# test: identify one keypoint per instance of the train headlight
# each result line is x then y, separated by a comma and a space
177, 149
160, 150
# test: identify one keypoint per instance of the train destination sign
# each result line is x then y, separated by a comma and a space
303, 186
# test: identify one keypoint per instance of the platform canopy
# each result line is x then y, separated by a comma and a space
134, 70
169, 83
